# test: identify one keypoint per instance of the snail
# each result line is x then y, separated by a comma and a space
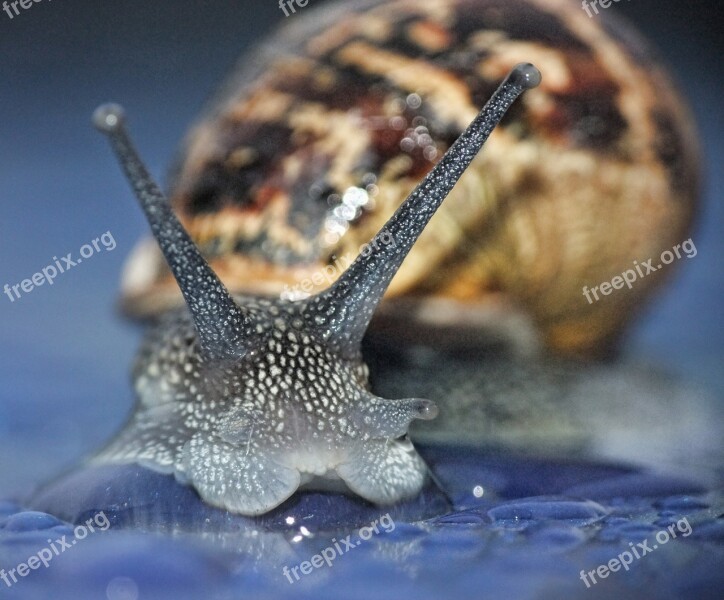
247, 399
343, 131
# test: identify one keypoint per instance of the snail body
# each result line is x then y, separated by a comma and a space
247, 399
322, 163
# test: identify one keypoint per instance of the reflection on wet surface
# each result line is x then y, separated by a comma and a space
490, 523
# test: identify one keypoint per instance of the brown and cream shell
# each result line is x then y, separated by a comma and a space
321, 134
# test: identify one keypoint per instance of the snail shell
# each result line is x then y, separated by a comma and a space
306, 154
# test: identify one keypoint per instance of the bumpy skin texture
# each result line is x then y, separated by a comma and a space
246, 433
308, 151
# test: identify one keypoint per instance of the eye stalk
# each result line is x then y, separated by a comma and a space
109, 118
524, 75
225, 329
342, 313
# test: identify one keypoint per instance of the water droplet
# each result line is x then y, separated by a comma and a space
544, 508
31, 521
414, 100
122, 588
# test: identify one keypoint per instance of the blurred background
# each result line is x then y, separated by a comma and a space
65, 355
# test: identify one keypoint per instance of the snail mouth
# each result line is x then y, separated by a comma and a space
328, 482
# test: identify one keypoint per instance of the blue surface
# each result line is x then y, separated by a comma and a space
536, 525
64, 356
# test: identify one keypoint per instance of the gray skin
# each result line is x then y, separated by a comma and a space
247, 399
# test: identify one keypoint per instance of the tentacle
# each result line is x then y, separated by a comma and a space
383, 418
225, 329
343, 312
